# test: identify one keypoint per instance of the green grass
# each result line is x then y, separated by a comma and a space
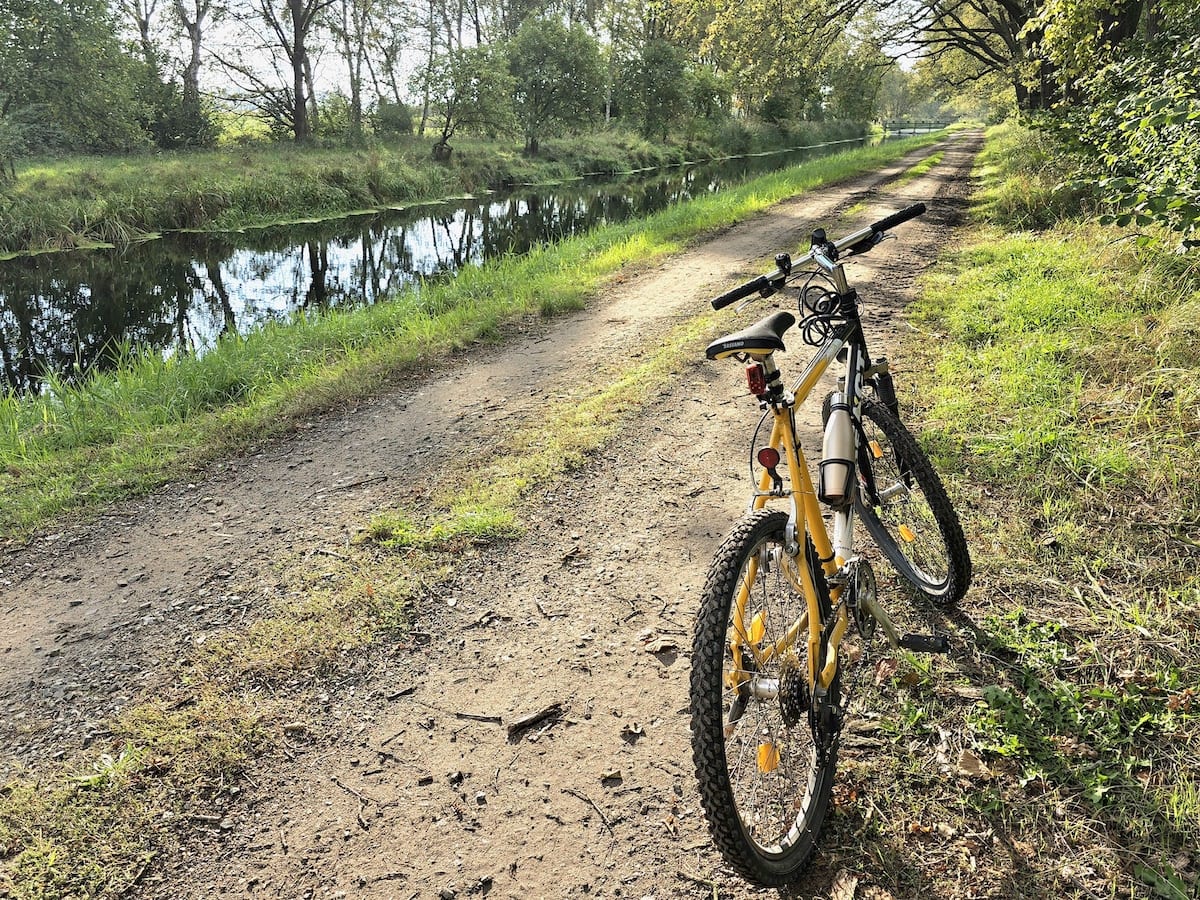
119, 434
914, 172
1057, 375
175, 759
82, 201
482, 507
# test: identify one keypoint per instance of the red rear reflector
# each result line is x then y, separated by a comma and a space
756, 378
768, 457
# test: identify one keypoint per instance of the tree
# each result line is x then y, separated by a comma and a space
657, 87
469, 88
852, 74
141, 13
195, 17
559, 77
65, 83
352, 24
762, 46
289, 27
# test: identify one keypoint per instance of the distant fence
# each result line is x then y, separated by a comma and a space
914, 127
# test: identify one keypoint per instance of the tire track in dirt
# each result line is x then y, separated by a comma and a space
592, 608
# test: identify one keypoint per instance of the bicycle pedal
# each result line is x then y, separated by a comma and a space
925, 643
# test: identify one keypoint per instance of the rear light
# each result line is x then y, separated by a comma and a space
756, 379
768, 457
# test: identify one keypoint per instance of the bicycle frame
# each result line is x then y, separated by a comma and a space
833, 551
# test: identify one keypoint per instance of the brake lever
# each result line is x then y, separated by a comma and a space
869, 243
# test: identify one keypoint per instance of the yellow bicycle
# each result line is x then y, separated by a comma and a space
783, 590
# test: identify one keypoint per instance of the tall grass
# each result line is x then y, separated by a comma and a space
84, 200
123, 432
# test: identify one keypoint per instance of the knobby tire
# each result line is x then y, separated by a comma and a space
935, 561
764, 821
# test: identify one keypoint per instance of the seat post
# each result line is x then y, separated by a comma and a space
774, 378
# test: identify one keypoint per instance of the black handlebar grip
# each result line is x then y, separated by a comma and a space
738, 293
896, 218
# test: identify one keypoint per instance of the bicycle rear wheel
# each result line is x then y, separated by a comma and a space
764, 783
904, 506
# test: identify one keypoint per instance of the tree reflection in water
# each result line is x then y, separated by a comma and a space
75, 312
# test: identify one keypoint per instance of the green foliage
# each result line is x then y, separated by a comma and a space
654, 88
709, 92
65, 83
558, 77
853, 71
469, 88
391, 119
1137, 123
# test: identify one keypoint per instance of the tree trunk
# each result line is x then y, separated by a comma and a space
298, 58
1121, 23
314, 122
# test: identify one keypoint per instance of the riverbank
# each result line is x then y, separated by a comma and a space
121, 433
83, 201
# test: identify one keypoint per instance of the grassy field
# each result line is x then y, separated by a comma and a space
1058, 370
80, 201
118, 434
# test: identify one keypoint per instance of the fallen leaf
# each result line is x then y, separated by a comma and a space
885, 669
845, 883
971, 765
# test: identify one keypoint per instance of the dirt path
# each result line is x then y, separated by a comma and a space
405, 798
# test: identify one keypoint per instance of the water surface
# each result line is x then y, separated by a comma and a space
69, 313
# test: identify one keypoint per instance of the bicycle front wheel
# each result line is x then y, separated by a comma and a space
764, 783
904, 506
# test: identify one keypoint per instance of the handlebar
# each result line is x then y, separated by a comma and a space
898, 218
859, 242
762, 282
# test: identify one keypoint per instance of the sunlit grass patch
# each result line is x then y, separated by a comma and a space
912, 173
1054, 380
483, 505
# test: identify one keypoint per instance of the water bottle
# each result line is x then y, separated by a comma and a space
837, 454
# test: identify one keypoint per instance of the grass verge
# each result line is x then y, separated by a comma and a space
122, 433
80, 201
1058, 375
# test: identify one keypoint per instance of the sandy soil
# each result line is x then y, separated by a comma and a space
591, 609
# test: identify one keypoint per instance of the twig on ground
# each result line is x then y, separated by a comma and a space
592, 803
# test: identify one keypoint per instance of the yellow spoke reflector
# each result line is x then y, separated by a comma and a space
768, 758
758, 627
907, 533
876, 450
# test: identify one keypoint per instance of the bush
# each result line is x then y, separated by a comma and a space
1137, 123
391, 119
